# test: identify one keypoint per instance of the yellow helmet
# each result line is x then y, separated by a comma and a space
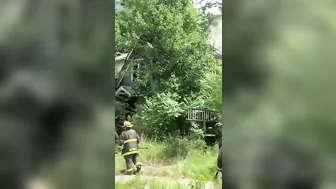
127, 124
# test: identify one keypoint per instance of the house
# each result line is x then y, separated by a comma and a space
123, 90
123, 83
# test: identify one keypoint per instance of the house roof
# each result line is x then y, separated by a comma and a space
123, 90
121, 57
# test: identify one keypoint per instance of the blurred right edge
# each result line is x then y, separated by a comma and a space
278, 92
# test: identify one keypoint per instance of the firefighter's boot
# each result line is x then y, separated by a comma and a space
138, 167
130, 171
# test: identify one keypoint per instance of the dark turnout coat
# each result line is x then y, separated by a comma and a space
130, 140
220, 143
210, 128
219, 159
116, 137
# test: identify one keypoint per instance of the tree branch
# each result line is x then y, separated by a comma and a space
199, 2
209, 5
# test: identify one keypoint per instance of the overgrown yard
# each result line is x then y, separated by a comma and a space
176, 158
147, 184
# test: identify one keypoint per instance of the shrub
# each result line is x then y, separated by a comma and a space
158, 116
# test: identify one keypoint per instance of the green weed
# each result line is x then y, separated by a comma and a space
176, 157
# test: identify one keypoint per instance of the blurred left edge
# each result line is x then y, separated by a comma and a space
57, 94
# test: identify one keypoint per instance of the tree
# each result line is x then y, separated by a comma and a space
168, 36
211, 91
175, 55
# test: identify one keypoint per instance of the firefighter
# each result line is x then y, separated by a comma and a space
220, 143
219, 160
130, 139
210, 137
116, 139
219, 167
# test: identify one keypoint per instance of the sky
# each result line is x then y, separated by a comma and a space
214, 10
198, 5
216, 29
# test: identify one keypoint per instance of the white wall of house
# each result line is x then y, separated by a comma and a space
127, 79
118, 66
119, 62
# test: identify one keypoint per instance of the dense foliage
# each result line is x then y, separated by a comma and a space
176, 60
157, 116
168, 36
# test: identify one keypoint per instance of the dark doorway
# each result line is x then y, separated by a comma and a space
130, 108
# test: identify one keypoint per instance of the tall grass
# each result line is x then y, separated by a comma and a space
176, 157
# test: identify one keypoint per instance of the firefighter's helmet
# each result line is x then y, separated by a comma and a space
127, 124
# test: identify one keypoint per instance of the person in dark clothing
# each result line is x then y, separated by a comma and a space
210, 136
116, 136
220, 143
116, 139
219, 160
219, 167
130, 139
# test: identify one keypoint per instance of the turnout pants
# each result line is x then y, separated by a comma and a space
132, 163
210, 140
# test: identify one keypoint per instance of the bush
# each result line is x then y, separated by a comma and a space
158, 116
181, 147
